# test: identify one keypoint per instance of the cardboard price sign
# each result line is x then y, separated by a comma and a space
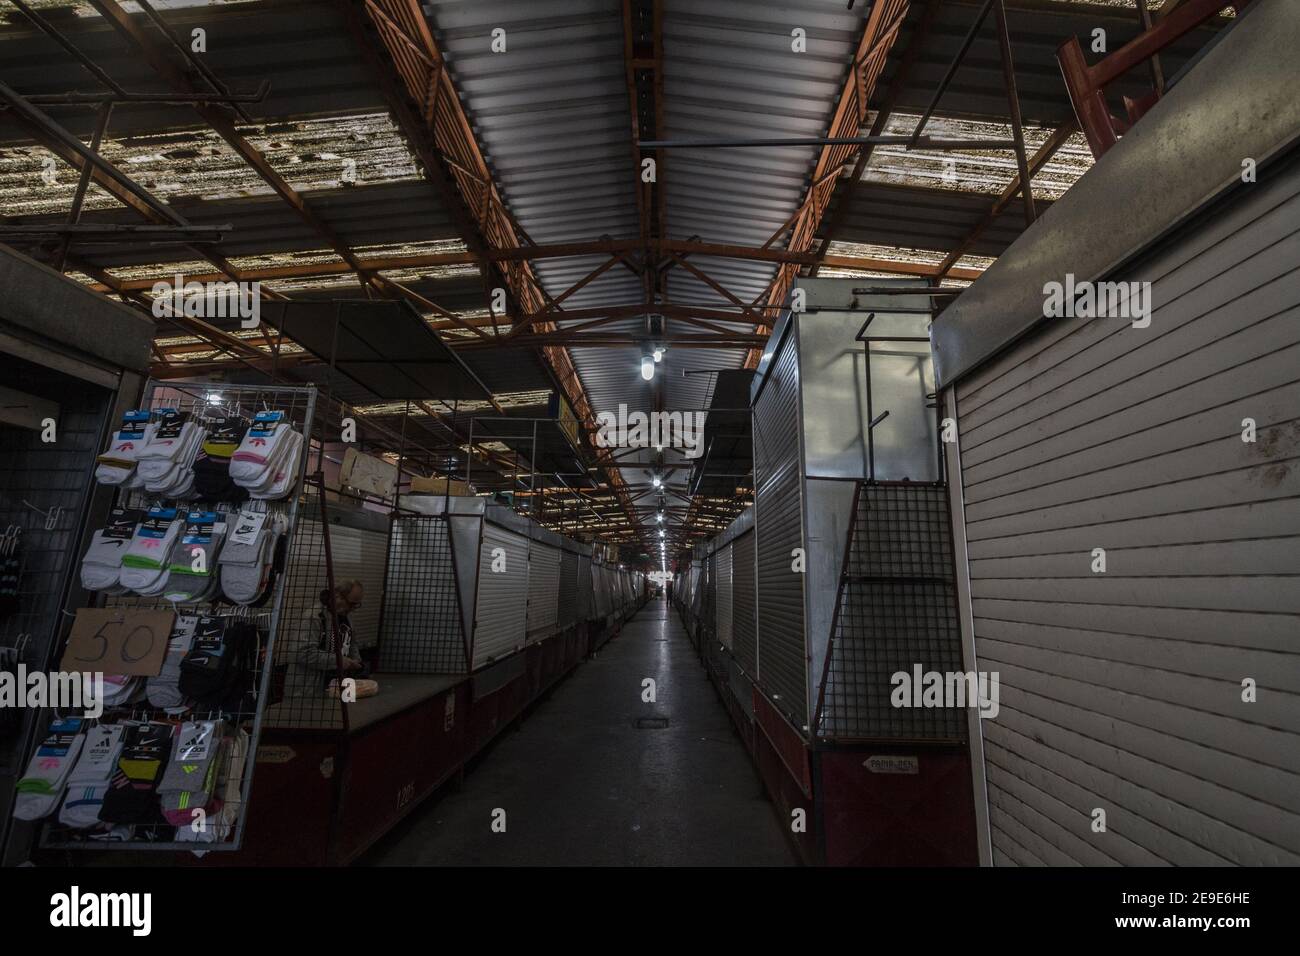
116, 640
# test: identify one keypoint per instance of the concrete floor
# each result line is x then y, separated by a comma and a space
581, 785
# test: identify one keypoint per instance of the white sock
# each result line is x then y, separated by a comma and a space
41, 788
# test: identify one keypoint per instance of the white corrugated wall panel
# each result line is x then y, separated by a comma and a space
500, 616
1122, 690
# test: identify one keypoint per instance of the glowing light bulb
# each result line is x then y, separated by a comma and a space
657, 481
659, 355
647, 368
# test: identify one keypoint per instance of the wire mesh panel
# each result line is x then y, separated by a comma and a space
421, 631
897, 614
43, 492
238, 626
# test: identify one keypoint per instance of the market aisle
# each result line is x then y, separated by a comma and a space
581, 785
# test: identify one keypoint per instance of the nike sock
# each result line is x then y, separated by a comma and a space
102, 565
132, 795
89, 778
245, 555
41, 788
194, 561
144, 566
164, 691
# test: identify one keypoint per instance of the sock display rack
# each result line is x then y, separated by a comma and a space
189, 579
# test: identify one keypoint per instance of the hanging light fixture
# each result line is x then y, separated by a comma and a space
657, 481
647, 367
658, 354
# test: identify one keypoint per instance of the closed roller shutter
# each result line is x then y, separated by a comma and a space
586, 596
543, 590
1122, 689
569, 601
600, 591
723, 597
782, 656
744, 644
500, 614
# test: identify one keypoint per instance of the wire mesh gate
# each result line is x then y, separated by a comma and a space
895, 610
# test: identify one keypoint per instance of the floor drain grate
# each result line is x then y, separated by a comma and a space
651, 723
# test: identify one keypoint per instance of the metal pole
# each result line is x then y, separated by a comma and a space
915, 141
1013, 102
83, 183
952, 70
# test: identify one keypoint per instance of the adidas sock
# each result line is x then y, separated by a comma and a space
88, 781
259, 449
225, 806
41, 788
286, 473
117, 464
188, 781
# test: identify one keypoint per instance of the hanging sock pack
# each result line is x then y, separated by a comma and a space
102, 565
132, 795
147, 561
281, 479
267, 457
120, 689
223, 811
39, 791
89, 779
191, 774
212, 481
166, 464
193, 573
164, 691
217, 667
247, 556
116, 466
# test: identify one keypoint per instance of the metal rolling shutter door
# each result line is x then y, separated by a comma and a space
744, 642
543, 590
1122, 689
500, 616
724, 602
778, 513
569, 599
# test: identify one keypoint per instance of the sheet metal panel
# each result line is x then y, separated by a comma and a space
744, 640
570, 601
543, 590
1235, 103
723, 597
782, 653
500, 616
1122, 689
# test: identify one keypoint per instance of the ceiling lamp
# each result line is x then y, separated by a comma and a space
657, 481
647, 367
